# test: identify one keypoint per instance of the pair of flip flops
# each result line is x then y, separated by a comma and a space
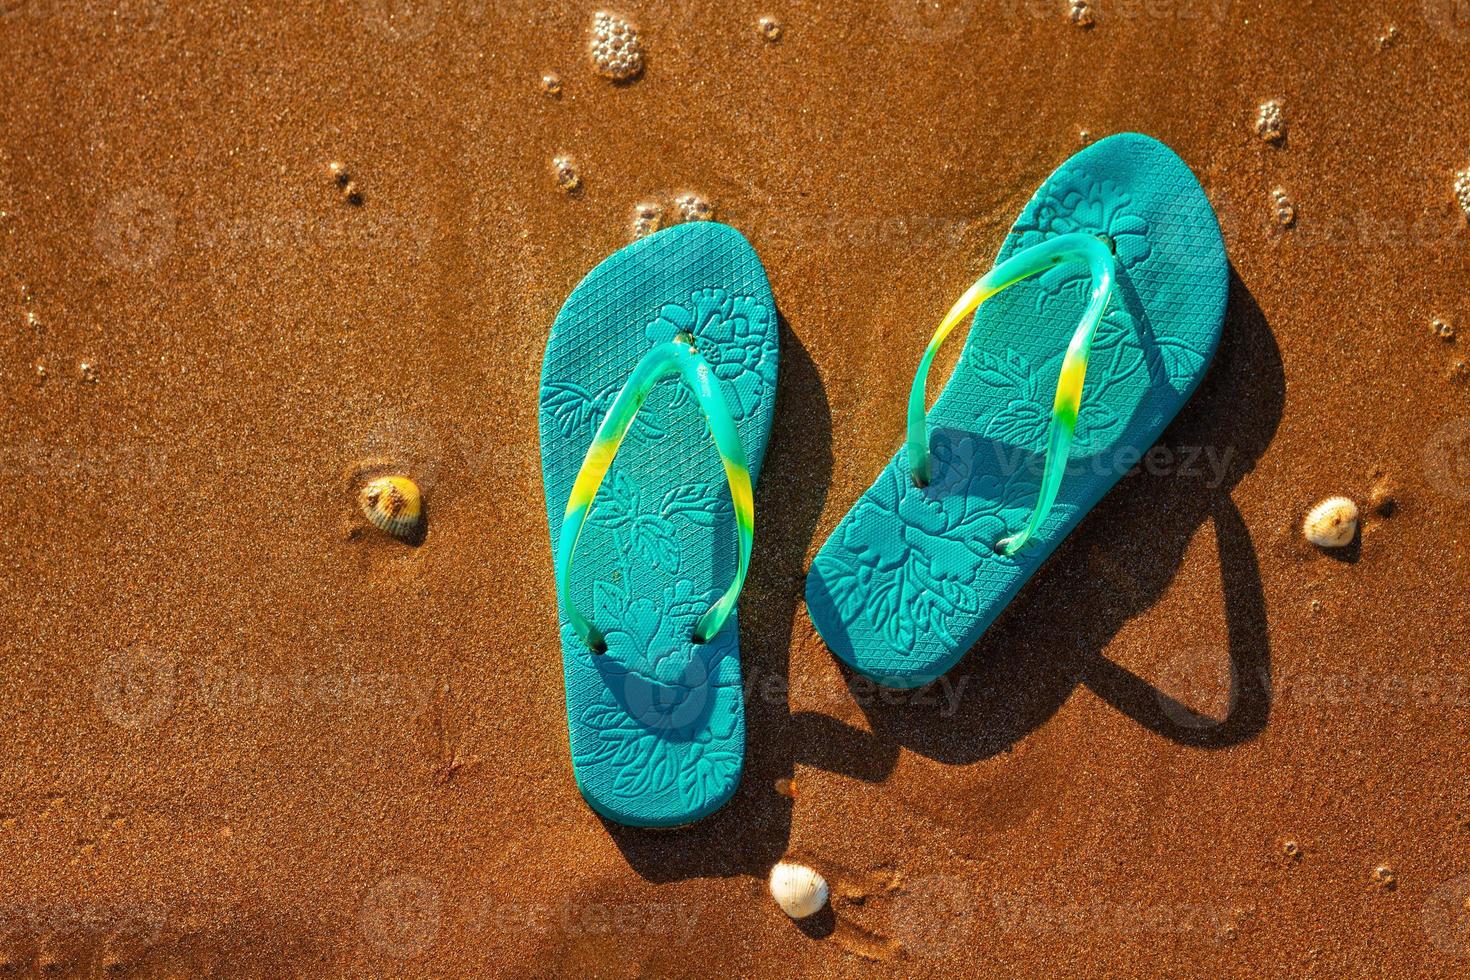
1115, 273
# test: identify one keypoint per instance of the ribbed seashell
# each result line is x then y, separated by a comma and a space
393, 505
799, 890
1332, 524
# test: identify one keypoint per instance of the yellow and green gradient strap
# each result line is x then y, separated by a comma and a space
677, 356
1076, 247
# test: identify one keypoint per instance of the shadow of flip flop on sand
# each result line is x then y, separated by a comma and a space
1116, 566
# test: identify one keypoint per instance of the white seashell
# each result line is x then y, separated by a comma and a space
799, 890
1332, 524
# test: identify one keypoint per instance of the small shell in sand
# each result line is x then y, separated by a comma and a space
564, 168
799, 890
1332, 524
393, 505
1271, 121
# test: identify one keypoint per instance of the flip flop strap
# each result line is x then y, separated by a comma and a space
1075, 247
677, 356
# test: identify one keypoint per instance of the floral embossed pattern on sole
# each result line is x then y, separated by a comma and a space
910, 579
656, 723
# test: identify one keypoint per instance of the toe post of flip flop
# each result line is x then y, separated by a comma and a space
1115, 274
657, 393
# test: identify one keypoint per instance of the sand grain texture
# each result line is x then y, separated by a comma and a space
243, 739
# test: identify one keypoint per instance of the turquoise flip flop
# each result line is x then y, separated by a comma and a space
1115, 271
651, 548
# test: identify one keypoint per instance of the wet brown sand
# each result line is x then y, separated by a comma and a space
241, 739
